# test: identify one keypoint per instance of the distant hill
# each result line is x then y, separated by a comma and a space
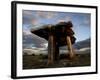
78, 45
82, 44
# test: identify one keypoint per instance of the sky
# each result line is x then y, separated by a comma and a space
35, 19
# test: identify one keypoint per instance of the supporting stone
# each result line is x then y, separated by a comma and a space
57, 53
51, 48
71, 53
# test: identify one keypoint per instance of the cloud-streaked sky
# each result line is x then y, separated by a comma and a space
81, 21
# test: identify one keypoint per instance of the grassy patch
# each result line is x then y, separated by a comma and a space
40, 61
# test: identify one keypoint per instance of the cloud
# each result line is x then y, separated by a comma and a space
46, 15
30, 21
32, 40
45, 45
29, 17
86, 21
65, 19
61, 20
27, 13
68, 18
26, 32
34, 21
37, 17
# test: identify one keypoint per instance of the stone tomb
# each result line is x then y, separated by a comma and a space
57, 35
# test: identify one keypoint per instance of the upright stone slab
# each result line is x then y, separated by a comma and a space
57, 53
51, 46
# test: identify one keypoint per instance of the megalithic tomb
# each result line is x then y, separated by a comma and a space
57, 35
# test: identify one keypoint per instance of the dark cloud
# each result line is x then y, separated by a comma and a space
30, 40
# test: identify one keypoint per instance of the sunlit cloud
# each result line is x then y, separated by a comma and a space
45, 45
26, 32
66, 19
46, 15
34, 22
